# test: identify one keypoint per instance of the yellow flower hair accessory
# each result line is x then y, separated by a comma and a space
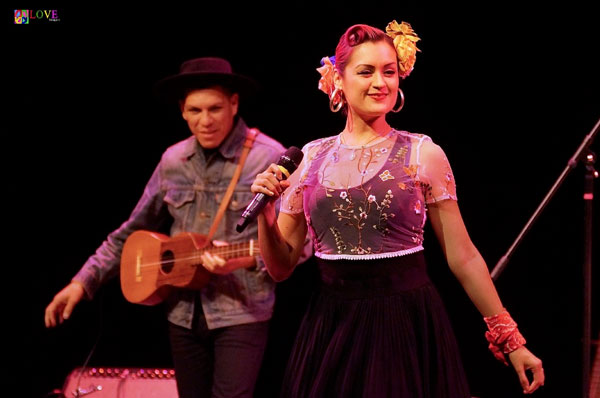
405, 41
326, 70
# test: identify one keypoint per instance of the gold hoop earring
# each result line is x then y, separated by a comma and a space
333, 106
401, 101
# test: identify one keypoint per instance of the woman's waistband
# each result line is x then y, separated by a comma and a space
394, 274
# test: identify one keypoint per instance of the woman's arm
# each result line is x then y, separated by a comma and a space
471, 271
463, 257
281, 243
281, 239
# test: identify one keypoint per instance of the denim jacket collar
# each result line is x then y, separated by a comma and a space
228, 147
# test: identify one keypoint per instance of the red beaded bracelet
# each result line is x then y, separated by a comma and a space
503, 335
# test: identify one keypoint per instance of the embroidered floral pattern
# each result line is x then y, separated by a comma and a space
411, 171
400, 155
386, 175
427, 191
383, 216
335, 156
370, 200
445, 186
360, 250
295, 201
417, 207
356, 214
339, 242
366, 160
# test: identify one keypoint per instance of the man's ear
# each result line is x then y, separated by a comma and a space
235, 102
181, 104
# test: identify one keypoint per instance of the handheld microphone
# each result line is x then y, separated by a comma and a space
287, 163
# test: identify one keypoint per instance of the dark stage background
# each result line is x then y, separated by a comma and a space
508, 92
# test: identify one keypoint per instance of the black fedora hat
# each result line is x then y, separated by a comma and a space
201, 73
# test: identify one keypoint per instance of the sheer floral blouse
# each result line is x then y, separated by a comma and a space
365, 202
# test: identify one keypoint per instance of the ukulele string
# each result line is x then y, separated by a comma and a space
197, 253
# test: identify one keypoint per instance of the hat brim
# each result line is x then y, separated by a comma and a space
173, 88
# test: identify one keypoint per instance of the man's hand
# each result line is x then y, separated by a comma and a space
218, 265
63, 303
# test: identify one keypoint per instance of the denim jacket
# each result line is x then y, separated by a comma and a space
187, 189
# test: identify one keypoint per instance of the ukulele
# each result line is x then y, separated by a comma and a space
152, 264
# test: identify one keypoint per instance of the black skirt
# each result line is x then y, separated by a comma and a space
375, 328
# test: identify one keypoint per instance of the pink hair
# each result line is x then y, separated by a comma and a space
354, 36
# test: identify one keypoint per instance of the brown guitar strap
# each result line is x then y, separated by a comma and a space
250, 136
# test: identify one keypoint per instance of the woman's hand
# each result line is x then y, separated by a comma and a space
270, 182
522, 360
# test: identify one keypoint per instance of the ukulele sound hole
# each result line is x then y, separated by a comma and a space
167, 261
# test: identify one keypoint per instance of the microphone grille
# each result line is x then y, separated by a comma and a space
293, 155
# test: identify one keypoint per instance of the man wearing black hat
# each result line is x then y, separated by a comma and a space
218, 333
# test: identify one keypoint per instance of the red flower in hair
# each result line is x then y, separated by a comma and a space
326, 81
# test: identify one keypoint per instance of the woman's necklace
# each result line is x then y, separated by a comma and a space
363, 145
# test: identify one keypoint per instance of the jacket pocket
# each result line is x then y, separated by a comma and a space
181, 205
239, 201
236, 206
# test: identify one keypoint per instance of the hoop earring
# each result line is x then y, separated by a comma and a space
401, 101
333, 106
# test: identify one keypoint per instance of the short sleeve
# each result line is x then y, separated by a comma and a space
435, 173
292, 198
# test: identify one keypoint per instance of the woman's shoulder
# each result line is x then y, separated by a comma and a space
320, 142
427, 150
318, 145
414, 137
423, 142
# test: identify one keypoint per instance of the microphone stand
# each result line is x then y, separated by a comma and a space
583, 153
588, 196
